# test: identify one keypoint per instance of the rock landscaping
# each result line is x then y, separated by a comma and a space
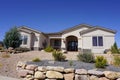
36, 72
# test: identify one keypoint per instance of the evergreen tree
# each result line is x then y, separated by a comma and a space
114, 48
12, 38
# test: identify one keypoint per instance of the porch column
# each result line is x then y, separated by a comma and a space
79, 44
63, 44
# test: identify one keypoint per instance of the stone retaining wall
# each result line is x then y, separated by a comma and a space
35, 72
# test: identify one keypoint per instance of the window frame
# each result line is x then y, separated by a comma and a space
99, 42
24, 39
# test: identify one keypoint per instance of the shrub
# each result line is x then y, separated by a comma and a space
1, 49
71, 63
36, 60
100, 62
114, 49
58, 56
20, 49
48, 49
116, 60
86, 57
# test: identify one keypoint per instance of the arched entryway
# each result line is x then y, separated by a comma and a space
72, 43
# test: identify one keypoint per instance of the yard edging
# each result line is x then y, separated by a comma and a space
35, 72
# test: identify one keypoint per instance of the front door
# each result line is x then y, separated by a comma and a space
72, 46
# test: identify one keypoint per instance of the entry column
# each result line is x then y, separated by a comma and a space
63, 45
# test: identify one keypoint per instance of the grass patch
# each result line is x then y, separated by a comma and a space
36, 60
70, 62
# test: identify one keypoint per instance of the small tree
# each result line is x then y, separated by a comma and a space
12, 38
114, 48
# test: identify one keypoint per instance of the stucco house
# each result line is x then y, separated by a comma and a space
82, 37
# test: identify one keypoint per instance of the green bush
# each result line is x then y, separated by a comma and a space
114, 49
116, 60
86, 57
20, 49
48, 49
100, 62
58, 56
36, 60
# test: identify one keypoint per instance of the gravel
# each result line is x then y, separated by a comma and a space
76, 65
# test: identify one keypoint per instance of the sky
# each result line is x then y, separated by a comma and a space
57, 15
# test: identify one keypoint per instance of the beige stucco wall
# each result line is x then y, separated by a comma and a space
108, 40
28, 42
36, 40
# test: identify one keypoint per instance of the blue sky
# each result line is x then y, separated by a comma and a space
57, 15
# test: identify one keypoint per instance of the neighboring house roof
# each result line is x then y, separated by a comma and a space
95, 28
30, 30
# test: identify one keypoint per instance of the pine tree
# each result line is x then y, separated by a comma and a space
12, 38
114, 48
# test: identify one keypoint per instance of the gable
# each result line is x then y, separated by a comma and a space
28, 30
74, 28
92, 30
98, 32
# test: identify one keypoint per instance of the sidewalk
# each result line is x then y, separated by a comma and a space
7, 78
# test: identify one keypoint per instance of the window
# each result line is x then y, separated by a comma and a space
57, 43
24, 39
97, 40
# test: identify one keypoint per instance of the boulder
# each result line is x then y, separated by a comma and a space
29, 76
42, 68
10, 48
93, 77
50, 79
31, 67
22, 73
39, 75
94, 72
21, 64
81, 77
30, 72
69, 70
69, 76
53, 68
103, 78
112, 75
54, 75
118, 79
81, 71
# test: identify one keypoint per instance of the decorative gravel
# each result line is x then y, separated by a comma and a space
76, 65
